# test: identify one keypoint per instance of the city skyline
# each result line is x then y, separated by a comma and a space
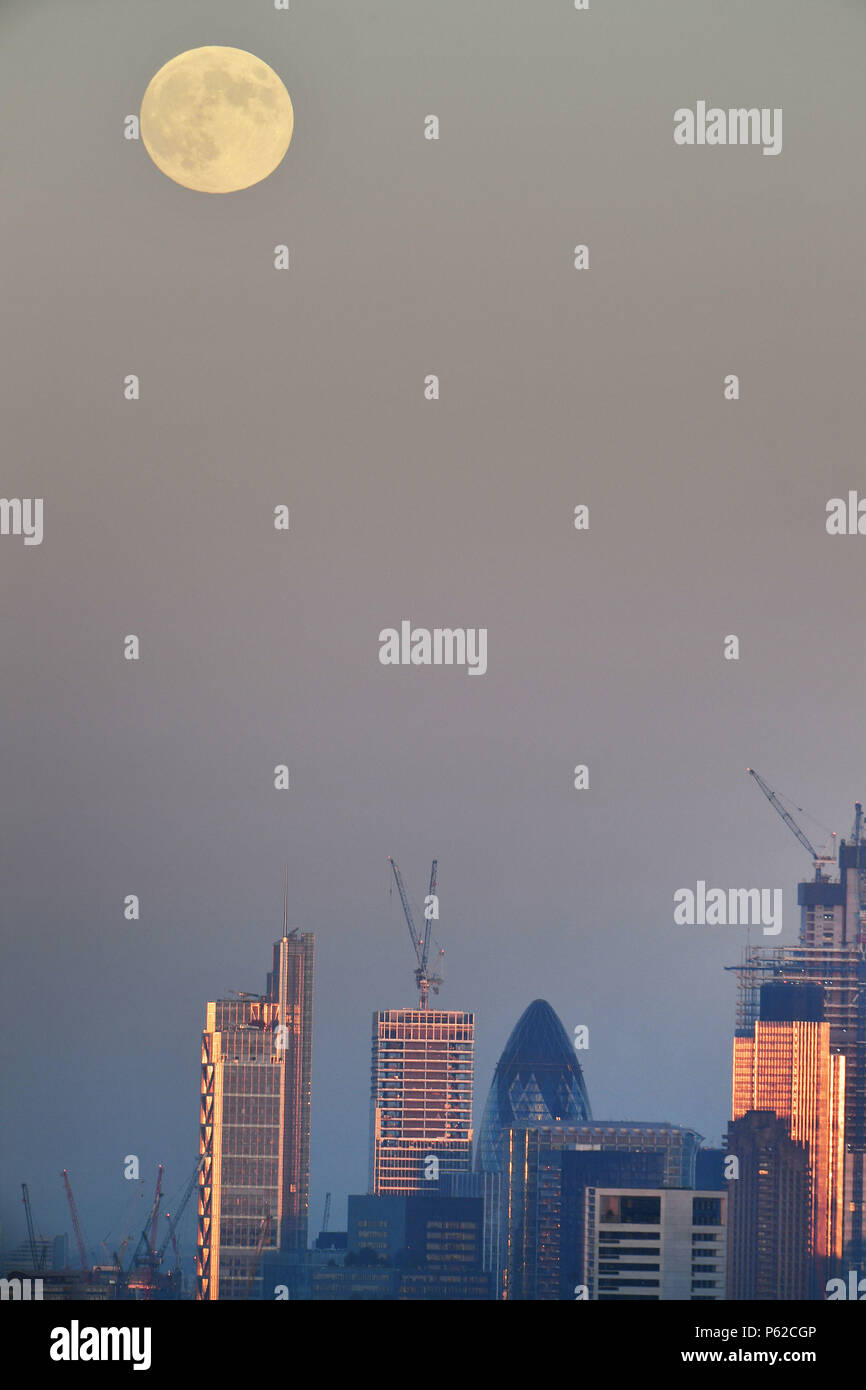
340, 1195
488, 377
538, 1075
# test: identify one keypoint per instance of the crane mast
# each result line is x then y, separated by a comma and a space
38, 1257
76, 1225
156, 1201
174, 1221
423, 979
145, 1251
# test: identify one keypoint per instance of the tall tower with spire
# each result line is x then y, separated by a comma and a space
256, 1066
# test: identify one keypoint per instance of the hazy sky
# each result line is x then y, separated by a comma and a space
558, 387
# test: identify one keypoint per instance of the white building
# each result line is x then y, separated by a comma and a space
656, 1243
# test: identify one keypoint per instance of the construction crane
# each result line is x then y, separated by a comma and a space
145, 1250
156, 1201
818, 859
173, 1224
257, 1253
148, 1255
174, 1221
38, 1256
76, 1225
326, 1214
118, 1256
423, 979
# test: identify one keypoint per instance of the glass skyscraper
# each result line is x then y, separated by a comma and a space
787, 1067
537, 1081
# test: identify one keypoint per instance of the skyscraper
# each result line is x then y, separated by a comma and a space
787, 1067
256, 1063
421, 1098
831, 953
769, 1221
537, 1081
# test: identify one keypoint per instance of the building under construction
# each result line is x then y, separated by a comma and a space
422, 1077
831, 952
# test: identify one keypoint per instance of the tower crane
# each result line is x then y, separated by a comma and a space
174, 1221
423, 979
76, 1225
818, 859
156, 1201
147, 1254
37, 1256
145, 1250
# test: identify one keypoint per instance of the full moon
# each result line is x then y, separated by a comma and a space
216, 119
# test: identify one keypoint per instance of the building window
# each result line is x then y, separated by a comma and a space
706, 1211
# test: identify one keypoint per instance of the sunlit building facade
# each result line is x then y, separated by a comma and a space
421, 1098
787, 1067
831, 953
256, 1066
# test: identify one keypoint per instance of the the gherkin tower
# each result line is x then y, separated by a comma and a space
537, 1081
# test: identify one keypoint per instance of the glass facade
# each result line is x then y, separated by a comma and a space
537, 1081
547, 1173
789, 1069
831, 954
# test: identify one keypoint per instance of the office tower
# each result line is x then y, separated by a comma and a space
256, 1065
786, 1066
548, 1169
769, 1206
537, 1081
643, 1245
831, 953
420, 1098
